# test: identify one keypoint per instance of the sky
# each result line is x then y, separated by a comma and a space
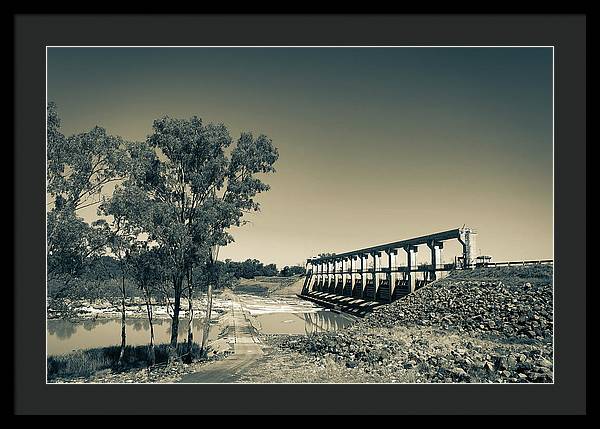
376, 144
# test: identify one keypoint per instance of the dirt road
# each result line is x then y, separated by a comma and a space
246, 347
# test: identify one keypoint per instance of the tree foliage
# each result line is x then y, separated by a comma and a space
78, 167
249, 268
292, 271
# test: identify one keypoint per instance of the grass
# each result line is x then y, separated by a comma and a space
265, 286
518, 274
252, 289
84, 363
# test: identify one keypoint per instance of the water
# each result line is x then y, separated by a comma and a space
302, 323
64, 336
281, 315
290, 315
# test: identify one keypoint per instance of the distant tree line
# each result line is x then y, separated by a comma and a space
292, 271
96, 281
251, 268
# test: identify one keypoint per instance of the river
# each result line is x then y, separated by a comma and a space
279, 315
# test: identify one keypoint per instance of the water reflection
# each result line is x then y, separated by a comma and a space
138, 324
62, 329
64, 336
302, 323
88, 325
182, 328
325, 321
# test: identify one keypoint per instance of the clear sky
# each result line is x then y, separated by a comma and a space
376, 145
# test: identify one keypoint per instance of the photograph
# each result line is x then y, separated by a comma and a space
300, 214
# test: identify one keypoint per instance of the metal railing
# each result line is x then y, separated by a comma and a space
514, 263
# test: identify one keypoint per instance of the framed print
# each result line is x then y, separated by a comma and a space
377, 216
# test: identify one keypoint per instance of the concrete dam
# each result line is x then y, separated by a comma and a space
360, 280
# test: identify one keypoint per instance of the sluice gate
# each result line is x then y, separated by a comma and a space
357, 282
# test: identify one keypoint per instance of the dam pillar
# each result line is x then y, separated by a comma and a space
335, 275
319, 273
411, 263
436, 257
352, 267
376, 267
308, 277
310, 273
347, 290
340, 271
363, 273
347, 265
341, 278
391, 274
333, 282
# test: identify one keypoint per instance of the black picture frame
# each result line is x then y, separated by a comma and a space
567, 33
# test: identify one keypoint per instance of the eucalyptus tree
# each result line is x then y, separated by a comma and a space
194, 261
146, 268
72, 243
124, 235
79, 167
187, 191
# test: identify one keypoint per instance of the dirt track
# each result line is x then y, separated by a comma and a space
246, 346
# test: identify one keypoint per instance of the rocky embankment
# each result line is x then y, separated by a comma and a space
484, 325
517, 304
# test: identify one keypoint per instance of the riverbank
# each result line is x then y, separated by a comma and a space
99, 365
135, 308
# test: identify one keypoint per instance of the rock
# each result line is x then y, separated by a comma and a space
512, 303
459, 372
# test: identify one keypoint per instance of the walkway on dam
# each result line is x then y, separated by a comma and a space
347, 304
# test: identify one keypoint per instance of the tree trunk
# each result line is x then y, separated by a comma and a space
123, 335
151, 354
190, 337
178, 281
206, 330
